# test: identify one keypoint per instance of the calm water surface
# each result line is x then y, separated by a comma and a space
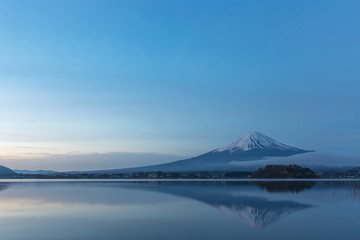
180, 210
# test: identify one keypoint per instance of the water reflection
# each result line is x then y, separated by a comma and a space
255, 211
286, 186
4, 186
178, 210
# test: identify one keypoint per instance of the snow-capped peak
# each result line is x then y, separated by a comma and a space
254, 140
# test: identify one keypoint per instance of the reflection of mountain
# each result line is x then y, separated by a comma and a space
254, 211
259, 212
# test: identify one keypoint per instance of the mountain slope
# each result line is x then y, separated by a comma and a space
251, 146
6, 172
255, 140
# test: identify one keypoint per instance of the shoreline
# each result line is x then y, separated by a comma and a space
186, 180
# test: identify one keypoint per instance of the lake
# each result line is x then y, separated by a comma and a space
179, 210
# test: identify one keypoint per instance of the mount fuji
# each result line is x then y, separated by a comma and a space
256, 145
250, 147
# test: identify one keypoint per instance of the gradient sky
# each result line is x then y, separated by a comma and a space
175, 78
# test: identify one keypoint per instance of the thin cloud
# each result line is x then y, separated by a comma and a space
90, 161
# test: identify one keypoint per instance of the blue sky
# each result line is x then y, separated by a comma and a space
176, 78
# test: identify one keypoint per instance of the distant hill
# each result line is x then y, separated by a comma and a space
252, 146
6, 172
284, 171
354, 170
39, 172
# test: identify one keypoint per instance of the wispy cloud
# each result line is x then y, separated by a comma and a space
91, 161
36, 148
307, 160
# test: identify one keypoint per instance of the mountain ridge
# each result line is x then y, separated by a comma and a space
254, 140
6, 172
249, 147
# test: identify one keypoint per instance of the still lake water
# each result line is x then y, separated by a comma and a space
179, 210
